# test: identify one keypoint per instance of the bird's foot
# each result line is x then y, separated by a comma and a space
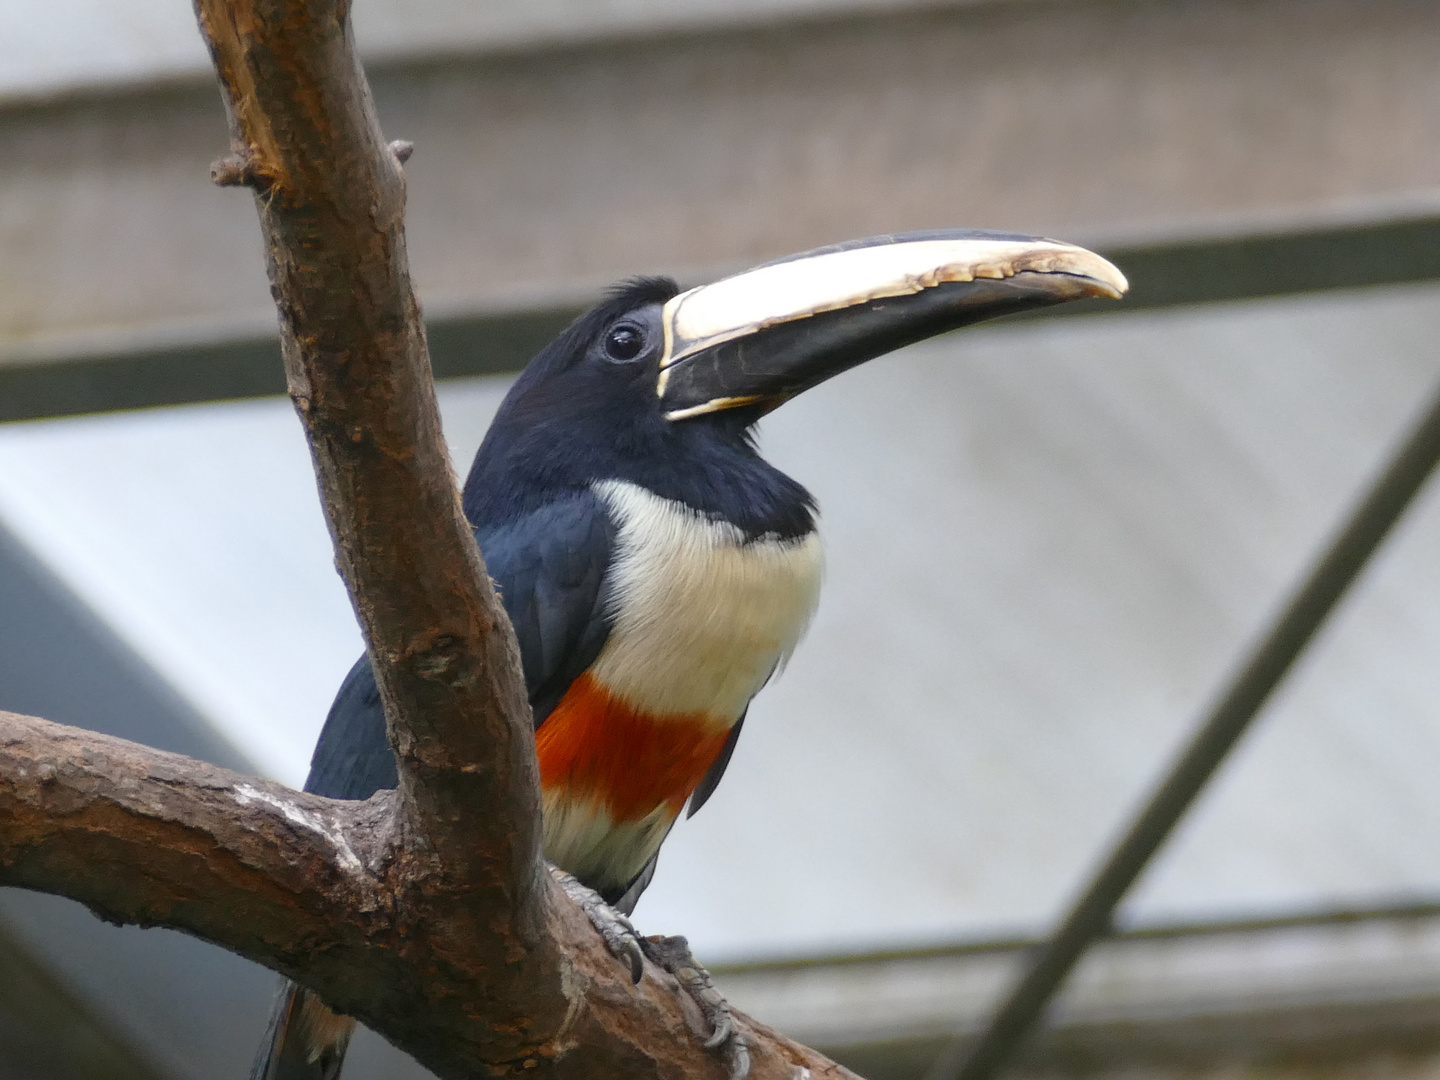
673, 955
670, 954
614, 929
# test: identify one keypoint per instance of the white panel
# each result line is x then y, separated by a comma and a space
197, 534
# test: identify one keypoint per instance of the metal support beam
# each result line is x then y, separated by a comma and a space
1161, 275
1168, 1002
1092, 915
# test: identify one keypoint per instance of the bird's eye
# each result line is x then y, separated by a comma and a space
624, 342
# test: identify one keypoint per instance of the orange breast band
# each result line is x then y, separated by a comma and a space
593, 746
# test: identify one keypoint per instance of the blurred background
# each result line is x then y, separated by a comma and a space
1049, 541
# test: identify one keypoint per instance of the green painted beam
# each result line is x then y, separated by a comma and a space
245, 368
1163, 275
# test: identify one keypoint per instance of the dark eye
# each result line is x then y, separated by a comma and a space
624, 341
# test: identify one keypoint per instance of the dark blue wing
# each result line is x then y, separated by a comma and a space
711, 780
352, 759
549, 567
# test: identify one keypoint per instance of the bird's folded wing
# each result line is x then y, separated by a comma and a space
549, 567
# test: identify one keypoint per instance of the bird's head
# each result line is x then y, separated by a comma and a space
652, 376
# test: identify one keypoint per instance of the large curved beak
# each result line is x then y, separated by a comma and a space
761, 337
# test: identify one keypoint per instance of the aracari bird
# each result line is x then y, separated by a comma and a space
656, 568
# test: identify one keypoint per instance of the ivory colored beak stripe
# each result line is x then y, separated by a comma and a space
808, 285
760, 337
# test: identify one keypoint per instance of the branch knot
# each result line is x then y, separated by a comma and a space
236, 170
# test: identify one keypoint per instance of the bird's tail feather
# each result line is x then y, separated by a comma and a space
305, 1040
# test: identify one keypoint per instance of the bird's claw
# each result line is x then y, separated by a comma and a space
673, 955
614, 929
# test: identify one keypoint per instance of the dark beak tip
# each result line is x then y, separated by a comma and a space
1084, 287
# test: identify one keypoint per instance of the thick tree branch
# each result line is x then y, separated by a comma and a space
315, 888
331, 195
142, 836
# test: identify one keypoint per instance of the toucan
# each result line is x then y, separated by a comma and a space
657, 570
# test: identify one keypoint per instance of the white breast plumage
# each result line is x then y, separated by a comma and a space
701, 617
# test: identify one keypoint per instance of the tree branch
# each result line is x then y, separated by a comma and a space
321, 890
157, 839
331, 195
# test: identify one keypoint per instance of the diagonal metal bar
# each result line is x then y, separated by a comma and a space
1091, 916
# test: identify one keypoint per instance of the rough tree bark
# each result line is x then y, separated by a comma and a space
425, 912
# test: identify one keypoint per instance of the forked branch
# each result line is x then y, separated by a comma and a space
325, 892
425, 912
